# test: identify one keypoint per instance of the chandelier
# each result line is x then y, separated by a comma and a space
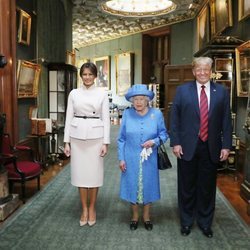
138, 8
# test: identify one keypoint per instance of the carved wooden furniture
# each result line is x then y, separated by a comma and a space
222, 50
243, 75
20, 170
62, 79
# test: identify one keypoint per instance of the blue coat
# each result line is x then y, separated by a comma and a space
185, 120
134, 131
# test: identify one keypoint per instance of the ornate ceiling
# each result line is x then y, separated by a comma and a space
91, 25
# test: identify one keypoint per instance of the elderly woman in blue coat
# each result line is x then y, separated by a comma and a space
138, 139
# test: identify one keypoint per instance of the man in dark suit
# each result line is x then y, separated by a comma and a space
199, 142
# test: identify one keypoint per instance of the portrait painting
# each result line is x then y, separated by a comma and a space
203, 31
103, 74
24, 28
124, 72
222, 15
243, 9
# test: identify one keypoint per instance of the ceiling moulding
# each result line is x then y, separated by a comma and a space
91, 25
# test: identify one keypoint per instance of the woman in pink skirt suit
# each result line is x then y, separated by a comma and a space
86, 137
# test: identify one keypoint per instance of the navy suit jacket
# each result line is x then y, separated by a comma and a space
185, 120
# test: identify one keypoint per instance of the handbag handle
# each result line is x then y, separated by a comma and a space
162, 143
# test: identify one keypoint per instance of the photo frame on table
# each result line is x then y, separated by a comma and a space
124, 72
242, 58
103, 72
24, 28
203, 28
27, 79
221, 16
223, 65
243, 9
70, 57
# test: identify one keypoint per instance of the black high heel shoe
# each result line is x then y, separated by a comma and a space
133, 225
148, 225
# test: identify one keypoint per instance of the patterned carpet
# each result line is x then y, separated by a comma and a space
50, 220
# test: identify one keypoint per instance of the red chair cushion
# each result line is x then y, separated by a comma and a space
29, 168
22, 147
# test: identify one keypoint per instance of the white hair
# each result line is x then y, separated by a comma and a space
202, 60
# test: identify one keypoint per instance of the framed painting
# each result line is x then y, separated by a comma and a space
124, 72
24, 28
27, 79
243, 9
242, 56
103, 72
203, 30
221, 16
223, 65
70, 57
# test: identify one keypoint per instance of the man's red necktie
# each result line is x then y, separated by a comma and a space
203, 114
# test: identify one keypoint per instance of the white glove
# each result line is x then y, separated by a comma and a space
145, 153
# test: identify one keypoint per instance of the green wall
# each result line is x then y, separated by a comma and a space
182, 40
111, 48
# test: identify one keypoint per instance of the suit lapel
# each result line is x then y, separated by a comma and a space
212, 97
194, 94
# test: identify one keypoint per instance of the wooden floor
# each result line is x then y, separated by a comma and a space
231, 189
226, 183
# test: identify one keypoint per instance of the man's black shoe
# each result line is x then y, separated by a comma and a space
207, 232
185, 230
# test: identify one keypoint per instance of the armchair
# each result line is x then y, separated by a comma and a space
20, 170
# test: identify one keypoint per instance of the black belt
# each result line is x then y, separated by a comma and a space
87, 117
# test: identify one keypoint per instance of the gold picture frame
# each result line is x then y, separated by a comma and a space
124, 72
203, 30
223, 65
27, 79
24, 28
221, 16
242, 57
243, 9
70, 57
103, 69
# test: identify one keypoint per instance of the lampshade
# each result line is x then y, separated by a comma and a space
138, 8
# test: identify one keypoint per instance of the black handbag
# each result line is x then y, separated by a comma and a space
163, 160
